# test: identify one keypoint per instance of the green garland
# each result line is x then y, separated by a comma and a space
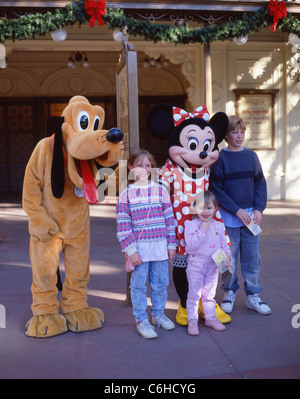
31, 25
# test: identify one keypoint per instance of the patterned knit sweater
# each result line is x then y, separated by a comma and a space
132, 210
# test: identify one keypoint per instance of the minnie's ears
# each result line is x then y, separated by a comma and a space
219, 123
160, 121
57, 169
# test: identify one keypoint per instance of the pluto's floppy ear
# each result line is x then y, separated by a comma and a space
57, 169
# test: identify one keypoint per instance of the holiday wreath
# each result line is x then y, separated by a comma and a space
274, 15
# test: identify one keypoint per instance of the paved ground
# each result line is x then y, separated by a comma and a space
252, 347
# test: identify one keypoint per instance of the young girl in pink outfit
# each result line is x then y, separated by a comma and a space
203, 237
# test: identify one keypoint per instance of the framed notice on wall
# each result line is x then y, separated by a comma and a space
256, 108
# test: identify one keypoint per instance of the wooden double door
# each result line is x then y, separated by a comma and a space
25, 121
19, 131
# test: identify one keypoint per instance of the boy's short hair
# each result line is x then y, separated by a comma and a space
233, 121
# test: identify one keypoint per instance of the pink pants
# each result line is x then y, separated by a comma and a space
203, 280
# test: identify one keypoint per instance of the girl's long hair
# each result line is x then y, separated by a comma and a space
140, 153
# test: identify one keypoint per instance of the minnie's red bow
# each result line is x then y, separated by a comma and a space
278, 10
179, 115
95, 9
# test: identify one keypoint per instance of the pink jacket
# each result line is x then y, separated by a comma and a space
203, 244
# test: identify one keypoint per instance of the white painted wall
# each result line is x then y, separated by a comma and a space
263, 65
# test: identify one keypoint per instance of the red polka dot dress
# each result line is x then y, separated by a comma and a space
183, 187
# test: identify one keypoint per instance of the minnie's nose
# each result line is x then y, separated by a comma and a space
203, 154
114, 135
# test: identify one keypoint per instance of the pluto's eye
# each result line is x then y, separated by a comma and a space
83, 120
96, 123
193, 144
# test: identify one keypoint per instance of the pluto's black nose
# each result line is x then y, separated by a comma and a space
114, 135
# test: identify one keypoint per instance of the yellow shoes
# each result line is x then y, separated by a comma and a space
220, 315
181, 316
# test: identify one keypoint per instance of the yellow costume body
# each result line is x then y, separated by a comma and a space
61, 222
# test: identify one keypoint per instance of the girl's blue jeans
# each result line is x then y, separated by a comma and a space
158, 280
245, 244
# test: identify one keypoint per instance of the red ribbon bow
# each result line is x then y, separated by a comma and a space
179, 115
95, 9
278, 10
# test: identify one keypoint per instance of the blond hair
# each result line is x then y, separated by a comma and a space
233, 121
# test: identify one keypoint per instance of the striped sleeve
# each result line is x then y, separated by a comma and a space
125, 232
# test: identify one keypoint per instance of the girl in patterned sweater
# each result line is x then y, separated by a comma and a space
145, 229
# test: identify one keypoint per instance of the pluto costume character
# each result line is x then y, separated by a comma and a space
193, 148
60, 179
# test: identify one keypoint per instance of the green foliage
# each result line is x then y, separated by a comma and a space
31, 25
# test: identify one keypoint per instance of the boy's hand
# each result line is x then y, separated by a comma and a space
243, 216
171, 253
257, 217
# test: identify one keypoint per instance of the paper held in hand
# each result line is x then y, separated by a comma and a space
220, 260
254, 228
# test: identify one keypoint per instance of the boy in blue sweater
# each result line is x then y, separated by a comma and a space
238, 182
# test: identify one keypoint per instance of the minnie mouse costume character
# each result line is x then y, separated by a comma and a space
193, 148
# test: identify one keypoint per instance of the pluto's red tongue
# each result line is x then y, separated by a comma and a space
89, 187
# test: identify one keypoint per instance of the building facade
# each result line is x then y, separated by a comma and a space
258, 79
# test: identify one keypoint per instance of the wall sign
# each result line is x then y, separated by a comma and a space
256, 108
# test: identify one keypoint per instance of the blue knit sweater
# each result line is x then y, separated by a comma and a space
237, 180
